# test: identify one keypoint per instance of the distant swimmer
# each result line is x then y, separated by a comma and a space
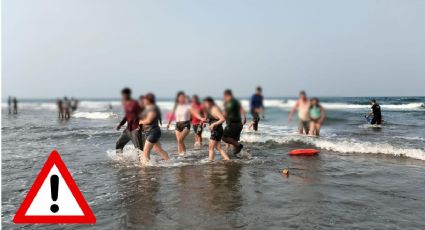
74, 104
9, 104
375, 113
257, 107
66, 106
182, 112
151, 118
15, 105
317, 116
235, 120
197, 123
59, 105
132, 112
302, 106
215, 120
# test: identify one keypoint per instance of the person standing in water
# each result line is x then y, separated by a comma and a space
182, 112
197, 123
257, 107
375, 112
59, 104
303, 106
235, 120
15, 105
151, 117
9, 104
215, 120
66, 105
131, 133
74, 104
317, 116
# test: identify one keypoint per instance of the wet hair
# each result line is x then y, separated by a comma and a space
302, 92
315, 99
150, 97
259, 88
176, 101
373, 100
209, 100
196, 99
126, 91
228, 92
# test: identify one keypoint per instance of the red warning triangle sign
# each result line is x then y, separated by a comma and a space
54, 198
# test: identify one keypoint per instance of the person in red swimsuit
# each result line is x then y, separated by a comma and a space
197, 123
132, 132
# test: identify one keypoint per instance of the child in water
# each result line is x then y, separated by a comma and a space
317, 116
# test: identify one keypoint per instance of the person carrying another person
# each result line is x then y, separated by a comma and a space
215, 120
257, 107
197, 123
235, 120
131, 133
151, 118
302, 106
375, 113
317, 116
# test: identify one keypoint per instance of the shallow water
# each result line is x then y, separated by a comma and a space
364, 178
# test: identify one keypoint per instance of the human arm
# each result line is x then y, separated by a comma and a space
121, 123
150, 117
215, 112
293, 110
243, 115
322, 115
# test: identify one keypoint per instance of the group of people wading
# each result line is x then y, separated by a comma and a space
143, 119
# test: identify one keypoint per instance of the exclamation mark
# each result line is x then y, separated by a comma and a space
54, 190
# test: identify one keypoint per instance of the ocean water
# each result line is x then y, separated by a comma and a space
364, 177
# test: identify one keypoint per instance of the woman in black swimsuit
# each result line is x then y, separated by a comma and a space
215, 121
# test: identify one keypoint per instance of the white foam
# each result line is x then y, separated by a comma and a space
95, 115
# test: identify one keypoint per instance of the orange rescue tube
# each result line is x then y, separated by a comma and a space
304, 152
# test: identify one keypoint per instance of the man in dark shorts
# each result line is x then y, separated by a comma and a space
257, 107
233, 112
132, 132
376, 112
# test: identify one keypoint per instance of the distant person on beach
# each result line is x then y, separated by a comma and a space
256, 107
317, 116
59, 105
15, 105
197, 123
74, 104
375, 113
302, 106
235, 120
215, 120
66, 106
9, 104
151, 118
131, 133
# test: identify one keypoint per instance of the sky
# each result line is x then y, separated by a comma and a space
94, 48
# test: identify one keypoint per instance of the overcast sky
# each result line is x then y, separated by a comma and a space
93, 48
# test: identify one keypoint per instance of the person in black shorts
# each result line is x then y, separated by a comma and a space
376, 113
215, 120
257, 107
235, 120
151, 118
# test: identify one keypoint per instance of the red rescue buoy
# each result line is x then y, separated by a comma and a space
304, 152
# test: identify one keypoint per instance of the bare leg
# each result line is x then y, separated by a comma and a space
147, 151
221, 151
312, 128
317, 128
158, 149
211, 145
231, 141
180, 140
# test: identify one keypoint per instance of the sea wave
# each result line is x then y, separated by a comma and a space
338, 144
95, 115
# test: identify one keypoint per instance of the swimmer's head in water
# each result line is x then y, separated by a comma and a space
208, 102
126, 93
228, 95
